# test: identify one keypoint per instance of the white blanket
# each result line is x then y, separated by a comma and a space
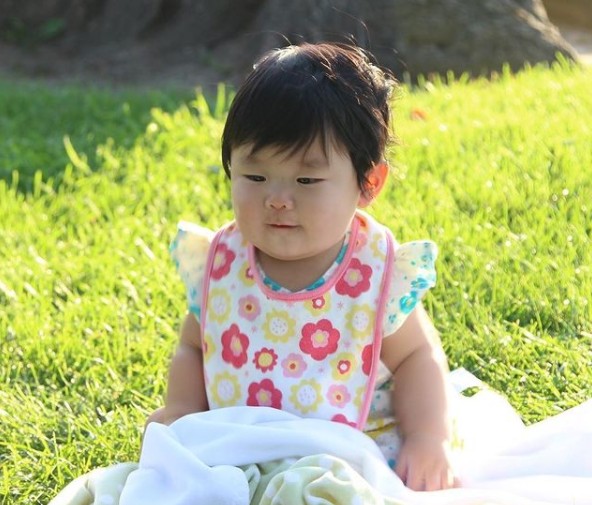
194, 461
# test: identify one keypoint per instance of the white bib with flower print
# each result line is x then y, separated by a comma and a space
314, 353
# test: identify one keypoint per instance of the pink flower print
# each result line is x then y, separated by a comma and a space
248, 307
367, 355
294, 366
338, 396
264, 394
223, 258
340, 418
234, 346
265, 359
320, 339
355, 280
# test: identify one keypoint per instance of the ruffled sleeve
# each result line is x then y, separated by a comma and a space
189, 251
413, 274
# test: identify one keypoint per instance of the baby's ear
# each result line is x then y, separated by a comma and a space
374, 183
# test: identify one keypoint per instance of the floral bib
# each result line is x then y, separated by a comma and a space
313, 353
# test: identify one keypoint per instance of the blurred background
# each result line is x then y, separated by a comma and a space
198, 42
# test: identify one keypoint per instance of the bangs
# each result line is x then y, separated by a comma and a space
287, 114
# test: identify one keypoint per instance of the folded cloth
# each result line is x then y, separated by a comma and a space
263, 456
196, 459
101, 486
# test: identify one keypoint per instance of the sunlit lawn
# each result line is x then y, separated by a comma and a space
92, 184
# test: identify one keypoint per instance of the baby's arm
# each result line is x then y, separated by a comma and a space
186, 387
420, 403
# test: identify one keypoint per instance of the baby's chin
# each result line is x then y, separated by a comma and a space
282, 256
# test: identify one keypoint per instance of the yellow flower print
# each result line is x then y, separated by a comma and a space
378, 246
318, 306
279, 326
306, 396
245, 275
359, 396
208, 346
360, 321
219, 305
225, 389
343, 365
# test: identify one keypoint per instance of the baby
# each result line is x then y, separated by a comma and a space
304, 302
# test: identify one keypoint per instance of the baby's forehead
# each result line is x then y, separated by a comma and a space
315, 152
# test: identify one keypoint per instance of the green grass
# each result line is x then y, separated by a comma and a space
93, 182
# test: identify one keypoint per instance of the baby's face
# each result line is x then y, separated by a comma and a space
294, 206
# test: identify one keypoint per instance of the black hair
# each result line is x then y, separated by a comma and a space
294, 95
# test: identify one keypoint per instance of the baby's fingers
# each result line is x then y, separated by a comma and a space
446, 479
414, 478
420, 479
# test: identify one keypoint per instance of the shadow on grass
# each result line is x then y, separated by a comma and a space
35, 119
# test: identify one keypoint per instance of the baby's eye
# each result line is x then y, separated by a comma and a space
308, 180
255, 178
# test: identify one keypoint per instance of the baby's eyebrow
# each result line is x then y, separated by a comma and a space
315, 163
247, 159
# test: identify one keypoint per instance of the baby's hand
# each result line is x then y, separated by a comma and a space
162, 416
424, 464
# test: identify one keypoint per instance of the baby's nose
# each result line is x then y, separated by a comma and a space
279, 198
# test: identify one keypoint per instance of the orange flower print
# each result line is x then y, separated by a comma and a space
234, 346
367, 355
319, 340
338, 396
248, 307
340, 418
223, 258
264, 394
265, 359
293, 366
355, 280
